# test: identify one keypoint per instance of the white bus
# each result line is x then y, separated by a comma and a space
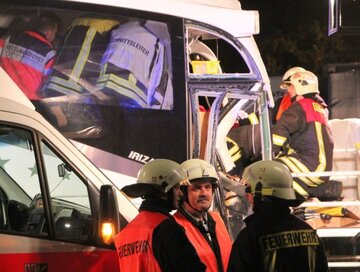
205, 72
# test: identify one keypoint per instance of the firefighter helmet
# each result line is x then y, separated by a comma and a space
159, 175
197, 169
305, 82
285, 83
270, 178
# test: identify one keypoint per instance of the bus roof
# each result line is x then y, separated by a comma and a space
224, 14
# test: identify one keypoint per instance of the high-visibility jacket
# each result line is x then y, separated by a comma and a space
202, 247
79, 57
27, 57
275, 240
303, 127
136, 66
134, 243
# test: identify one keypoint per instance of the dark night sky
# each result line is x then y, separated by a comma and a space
294, 33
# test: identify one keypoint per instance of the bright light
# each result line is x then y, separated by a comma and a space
107, 232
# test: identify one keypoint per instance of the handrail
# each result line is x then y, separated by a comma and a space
345, 174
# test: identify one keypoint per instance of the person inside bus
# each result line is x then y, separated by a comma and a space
72, 106
136, 66
205, 229
161, 244
28, 56
302, 137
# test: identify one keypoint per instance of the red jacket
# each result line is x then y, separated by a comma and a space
134, 243
27, 58
203, 249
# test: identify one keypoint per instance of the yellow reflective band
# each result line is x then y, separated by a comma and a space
304, 169
123, 91
267, 191
253, 118
123, 83
278, 140
300, 189
293, 166
234, 151
132, 79
70, 84
322, 157
84, 54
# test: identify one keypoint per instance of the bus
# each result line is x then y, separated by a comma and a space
102, 113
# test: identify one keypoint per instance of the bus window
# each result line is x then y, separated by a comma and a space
212, 54
117, 83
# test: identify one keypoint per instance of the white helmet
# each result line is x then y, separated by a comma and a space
305, 82
286, 78
159, 175
197, 169
274, 178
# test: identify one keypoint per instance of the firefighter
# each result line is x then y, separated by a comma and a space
73, 104
28, 56
274, 239
153, 241
285, 102
205, 229
302, 137
135, 68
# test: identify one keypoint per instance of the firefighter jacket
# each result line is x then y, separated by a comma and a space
275, 240
302, 140
78, 63
136, 66
213, 245
153, 241
27, 57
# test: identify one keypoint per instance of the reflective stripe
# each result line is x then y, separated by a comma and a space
63, 84
278, 140
296, 166
84, 54
122, 91
322, 157
124, 87
60, 89
253, 118
234, 151
300, 189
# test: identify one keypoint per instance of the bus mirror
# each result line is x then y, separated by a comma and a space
109, 215
61, 170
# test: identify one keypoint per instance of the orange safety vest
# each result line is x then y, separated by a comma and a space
134, 243
202, 247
